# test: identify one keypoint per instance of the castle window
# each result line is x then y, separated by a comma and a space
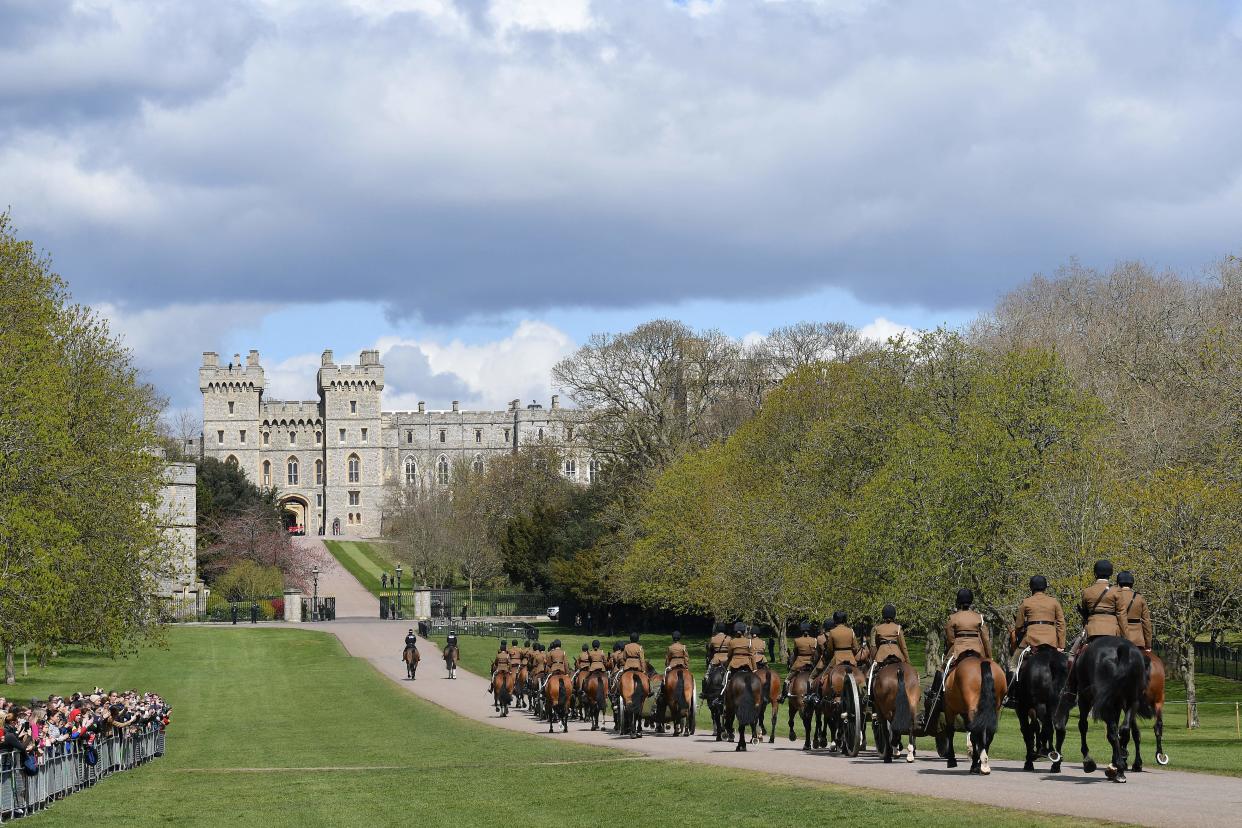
293, 438
220, 436
364, 435
293, 471
353, 406
569, 432
478, 435
241, 435
267, 438
318, 438
319, 499
442, 470
351, 518
478, 464
571, 469
231, 461
411, 470
318, 472
267, 472
355, 468
354, 498
342, 435
443, 435
230, 407
592, 470
409, 437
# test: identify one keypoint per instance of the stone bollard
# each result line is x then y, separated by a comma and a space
293, 605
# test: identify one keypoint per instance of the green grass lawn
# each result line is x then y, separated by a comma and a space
366, 562
1214, 747
282, 727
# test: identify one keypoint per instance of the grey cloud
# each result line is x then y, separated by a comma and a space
921, 153
408, 371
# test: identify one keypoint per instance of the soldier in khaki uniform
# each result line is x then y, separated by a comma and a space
718, 647
635, 659
759, 647
500, 663
888, 642
677, 655
965, 631
598, 659
584, 658
1040, 621
801, 657
741, 654
1135, 615
558, 660
842, 642
1100, 606
618, 657
537, 665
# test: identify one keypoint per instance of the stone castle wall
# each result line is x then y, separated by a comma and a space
347, 453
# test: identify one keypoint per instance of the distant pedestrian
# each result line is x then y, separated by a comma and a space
578, 621
254, 613
590, 625
612, 629
233, 610
384, 580
463, 611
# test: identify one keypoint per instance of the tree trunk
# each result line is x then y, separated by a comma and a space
10, 670
934, 654
42, 658
781, 642
1186, 663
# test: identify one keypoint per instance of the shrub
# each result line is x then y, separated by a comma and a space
247, 581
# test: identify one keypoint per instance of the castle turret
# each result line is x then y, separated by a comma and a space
353, 446
232, 395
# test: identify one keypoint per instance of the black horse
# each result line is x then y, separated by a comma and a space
1110, 682
713, 687
743, 701
1041, 680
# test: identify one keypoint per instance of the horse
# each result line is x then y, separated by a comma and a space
411, 658
534, 684
1038, 686
798, 692
521, 683
595, 694
653, 709
895, 695
771, 682
975, 696
743, 700
713, 691
502, 691
1155, 699
1111, 677
557, 693
835, 703
677, 700
452, 654
631, 694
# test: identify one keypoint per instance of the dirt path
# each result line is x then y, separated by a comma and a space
1160, 797
352, 600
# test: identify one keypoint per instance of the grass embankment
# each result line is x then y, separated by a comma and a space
1215, 747
282, 727
367, 562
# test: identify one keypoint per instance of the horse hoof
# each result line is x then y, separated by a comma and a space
1088, 766
1056, 768
975, 769
792, 737
1054, 756
1029, 766
1111, 772
1162, 758
1138, 768
909, 757
952, 763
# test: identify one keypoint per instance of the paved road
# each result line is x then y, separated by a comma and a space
352, 600
1160, 797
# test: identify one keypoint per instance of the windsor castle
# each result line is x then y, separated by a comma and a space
333, 460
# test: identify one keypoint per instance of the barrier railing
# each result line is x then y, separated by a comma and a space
66, 768
489, 629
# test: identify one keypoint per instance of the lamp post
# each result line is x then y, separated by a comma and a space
398, 590
315, 599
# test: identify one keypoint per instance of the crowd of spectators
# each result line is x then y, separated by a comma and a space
42, 731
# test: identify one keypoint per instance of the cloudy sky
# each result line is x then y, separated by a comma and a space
475, 186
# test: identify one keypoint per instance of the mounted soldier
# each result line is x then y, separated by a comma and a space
677, 654
718, 647
500, 664
888, 643
965, 631
1100, 609
1039, 622
741, 654
558, 661
823, 650
842, 642
411, 640
635, 659
1135, 614
802, 658
759, 647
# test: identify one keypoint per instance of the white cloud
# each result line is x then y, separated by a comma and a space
562, 16
881, 329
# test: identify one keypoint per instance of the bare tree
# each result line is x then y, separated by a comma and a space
254, 533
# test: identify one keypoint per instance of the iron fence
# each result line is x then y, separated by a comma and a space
1210, 659
449, 603
327, 608
488, 629
69, 767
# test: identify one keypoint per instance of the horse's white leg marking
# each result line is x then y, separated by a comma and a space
910, 750
983, 759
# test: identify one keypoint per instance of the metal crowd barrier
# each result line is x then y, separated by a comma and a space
63, 769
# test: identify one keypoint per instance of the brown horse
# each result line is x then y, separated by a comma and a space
677, 700
895, 696
502, 691
595, 696
521, 685
840, 709
632, 693
743, 700
557, 693
1155, 698
771, 681
800, 704
411, 658
973, 691
452, 655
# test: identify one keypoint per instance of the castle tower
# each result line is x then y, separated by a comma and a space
353, 444
232, 395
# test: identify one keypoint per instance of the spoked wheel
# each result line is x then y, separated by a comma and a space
851, 719
694, 710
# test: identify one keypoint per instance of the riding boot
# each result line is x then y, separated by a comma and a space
1011, 696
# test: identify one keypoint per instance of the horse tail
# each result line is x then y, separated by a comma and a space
747, 712
1125, 691
639, 696
984, 721
903, 717
680, 694
599, 692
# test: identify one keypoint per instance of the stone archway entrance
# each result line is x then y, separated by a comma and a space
295, 512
